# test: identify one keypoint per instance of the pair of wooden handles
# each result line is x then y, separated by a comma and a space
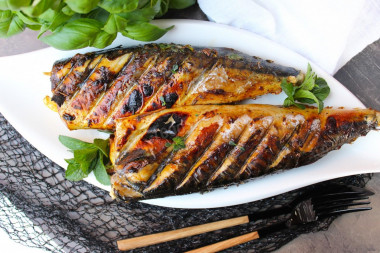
152, 239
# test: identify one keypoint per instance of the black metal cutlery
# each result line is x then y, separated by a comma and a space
319, 202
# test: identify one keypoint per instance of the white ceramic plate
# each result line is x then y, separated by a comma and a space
23, 86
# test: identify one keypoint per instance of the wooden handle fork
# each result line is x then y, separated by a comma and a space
152, 239
226, 243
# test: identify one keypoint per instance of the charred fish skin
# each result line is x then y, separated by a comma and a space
223, 145
92, 90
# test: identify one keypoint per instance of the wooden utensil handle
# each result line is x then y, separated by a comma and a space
152, 239
227, 243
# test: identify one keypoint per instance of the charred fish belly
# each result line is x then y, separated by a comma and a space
92, 90
197, 148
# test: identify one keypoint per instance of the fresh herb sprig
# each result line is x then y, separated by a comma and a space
88, 157
162, 99
312, 90
76, 24
178, 143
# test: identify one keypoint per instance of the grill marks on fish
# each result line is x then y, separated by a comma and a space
59, 71
250, 138
231, 78
171, 173
78, 69
113, 90
95, 89
224, 145
187, 76
224, 141
160, 77
95, 86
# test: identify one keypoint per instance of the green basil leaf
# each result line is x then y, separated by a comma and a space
57, 4
320, 106
74, 171
47, 16
82, 6
79, 33
68, 11
306, 100
87, 159
288, 88
106, 131
145, 14
55, 17
6, 15
103, 39
74, 144
100, 172
118, 6
44, 28
17, 4
115, 24
11, 26
322, 90
91, 157
309, 82
4, 5
98, 14
34, 27
85, 156
288, 102
305, 94
312, 90
103, 146
26, 19
144, 31
301, 106
40, 7
160, 7
144, 4
181, 4
320, 81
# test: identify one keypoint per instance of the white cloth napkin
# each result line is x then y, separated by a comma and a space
328, 33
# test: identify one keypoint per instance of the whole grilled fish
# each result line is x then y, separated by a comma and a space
197, 148
92, 90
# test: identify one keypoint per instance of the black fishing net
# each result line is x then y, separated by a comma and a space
39, 208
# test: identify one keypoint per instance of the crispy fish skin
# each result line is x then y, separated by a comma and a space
92, 90
223, 145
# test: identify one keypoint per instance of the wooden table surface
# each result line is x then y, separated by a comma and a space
356, 232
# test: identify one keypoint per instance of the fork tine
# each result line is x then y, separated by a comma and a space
364, 191
340, 194
340, 205
323, 202
341, 211
339, 199
332, 191
338, 189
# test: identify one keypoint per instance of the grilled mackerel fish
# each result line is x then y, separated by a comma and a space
92, 90
197, 148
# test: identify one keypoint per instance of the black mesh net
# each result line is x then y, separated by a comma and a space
39, 208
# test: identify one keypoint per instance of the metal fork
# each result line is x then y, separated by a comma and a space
309, 207
320, 201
